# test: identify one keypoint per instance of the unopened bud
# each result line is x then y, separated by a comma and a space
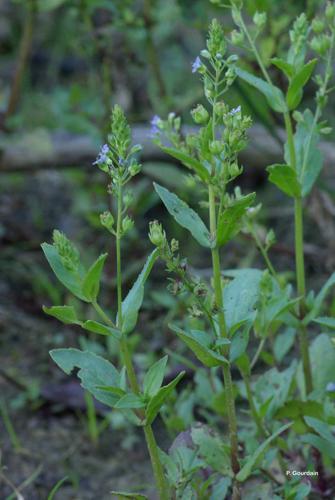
107, 220
260, 19
216, 147
156, 234
200, 115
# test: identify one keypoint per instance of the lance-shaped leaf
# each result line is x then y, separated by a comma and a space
188, 161
326, 321
230, 220
319, 299
124, 495
157, 401
254, 460
239, 342
101, 329
91, 282
240, 297
72, 280
94, 371
273, 94
66, 314
184, 215
154, 377
285, 178
132, 303
308, 156
299, 80
130, 401
284, 66
199, 342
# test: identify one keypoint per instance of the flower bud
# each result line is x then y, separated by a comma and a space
127, 224
260, 19
156, 234
237, 37
216, 147
270, 239
107, 220
205, 54
330, 11
174, 245
200, 115
318, 25
134, 168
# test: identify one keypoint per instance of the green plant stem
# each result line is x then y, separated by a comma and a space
258, 421
232, 422
263, 252
9, 426
299, 263
161, 482
91, 418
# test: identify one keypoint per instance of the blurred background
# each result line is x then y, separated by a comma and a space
63, 64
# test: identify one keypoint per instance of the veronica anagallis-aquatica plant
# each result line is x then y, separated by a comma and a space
211, 154
120, 390
303, 159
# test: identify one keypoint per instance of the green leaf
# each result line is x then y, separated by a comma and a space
240, 297
230, 220
199, 343
239, 343
299, 80
129, 401
283, 343
322, 355
157, 401
188, 161
66, 314
211, 449
132, 303
294, 409
57, 487
71, 280
253, 461
91, 283
308, 156
284, 66
123, 495
320, 428
326, 321
319, 299
93, 371
273, 94
154, 377
285, 178
99, 328
184, 215
325, 447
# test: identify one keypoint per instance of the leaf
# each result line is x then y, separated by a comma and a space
199, 342
71, 280
123, 495
132, 303
57, 487
284, 66
239, 343
322, 355
320, 428
157, 401
129, 401
211, 449
319, 299
93, 371
91, 283
294, 409
273, 94
257, 456
324, 446
154, 377
240, 297
184, 215
99, 328
283, 343
308, 156
66, 314
188, 161
299, 80
230, 219
325, 321
285, 178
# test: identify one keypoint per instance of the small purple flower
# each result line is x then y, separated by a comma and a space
235, 111
155, 125
102, 156
196, 64
330, 387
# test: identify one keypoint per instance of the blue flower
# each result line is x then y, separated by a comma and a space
102, 156
235, 111
330, 387
196, 64
155, 125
